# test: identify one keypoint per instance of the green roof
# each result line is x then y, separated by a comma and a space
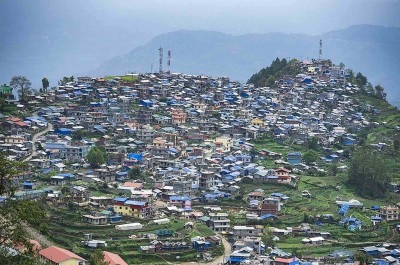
164, 232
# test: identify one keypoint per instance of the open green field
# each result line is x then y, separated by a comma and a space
123, 77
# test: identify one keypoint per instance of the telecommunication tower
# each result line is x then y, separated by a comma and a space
169, 63
161, 59
320, 49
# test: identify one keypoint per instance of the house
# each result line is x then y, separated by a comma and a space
94, 219
206, 180
256, 195
6, 91
286, 261
270, 205
253, 242
240, 255
185, 202
58, 180
389, 213
127, 207
294, 158
241, 231
219, 222
59, 256
113, 259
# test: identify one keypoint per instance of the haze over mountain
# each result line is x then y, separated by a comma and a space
55, 38
369, 49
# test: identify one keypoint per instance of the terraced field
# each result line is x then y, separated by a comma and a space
70, 233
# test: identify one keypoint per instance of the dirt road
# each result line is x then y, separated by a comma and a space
34, 140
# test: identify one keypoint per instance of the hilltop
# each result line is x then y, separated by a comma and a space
369, 49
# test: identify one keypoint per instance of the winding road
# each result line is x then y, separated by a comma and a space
34, 140
219, 260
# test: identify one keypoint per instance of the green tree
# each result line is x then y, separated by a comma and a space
312, 143
65, 190
268, 237
368, 173
362, 258
333, 169
360, 80
396, 145
97, 258
135, 173
270, 82
268, 75
23, 86
310, 156
45, 84
95, 157
2, 104
15, 214
379, 92
77, 135
66, 79
103, 151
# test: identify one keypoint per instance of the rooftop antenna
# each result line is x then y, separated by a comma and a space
151, 68
320, 50
161, 59
169, 63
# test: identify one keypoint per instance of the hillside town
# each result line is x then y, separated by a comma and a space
196, 168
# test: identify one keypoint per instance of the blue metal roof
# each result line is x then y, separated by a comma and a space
120, 199
179, 198
135, 203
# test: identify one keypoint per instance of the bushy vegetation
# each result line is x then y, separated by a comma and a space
368, 173
97, 156
268, 75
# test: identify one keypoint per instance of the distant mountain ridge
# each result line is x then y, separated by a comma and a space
372, 50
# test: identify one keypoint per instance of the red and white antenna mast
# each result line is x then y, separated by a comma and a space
161, 59
169, 63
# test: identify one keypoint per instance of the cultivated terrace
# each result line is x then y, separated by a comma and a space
301, 164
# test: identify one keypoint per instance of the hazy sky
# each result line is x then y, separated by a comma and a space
56, 37
230, 16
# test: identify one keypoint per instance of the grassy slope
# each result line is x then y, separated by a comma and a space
325, 193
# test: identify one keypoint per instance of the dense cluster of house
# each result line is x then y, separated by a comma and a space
189, 138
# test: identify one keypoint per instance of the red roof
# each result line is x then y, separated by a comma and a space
282, 170
57, 255
113, 259
135, 185
283, 260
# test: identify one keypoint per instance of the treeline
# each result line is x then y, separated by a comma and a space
366, 87
368, 173
268, 75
